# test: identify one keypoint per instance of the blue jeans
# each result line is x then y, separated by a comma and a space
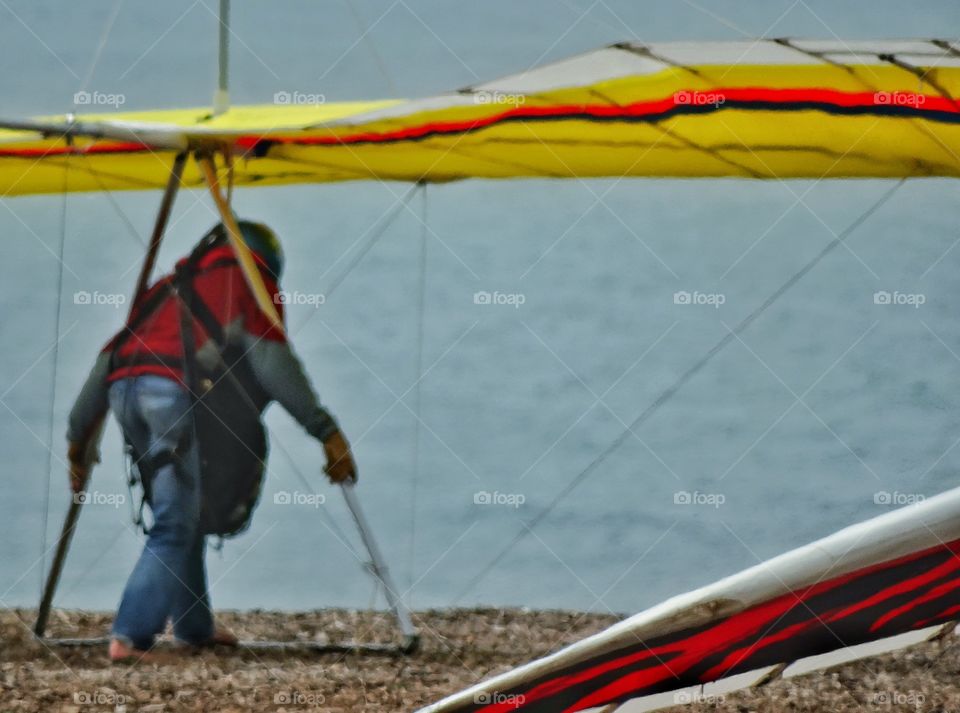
169, 581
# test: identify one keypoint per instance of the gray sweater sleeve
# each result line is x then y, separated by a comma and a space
92, 401
280, 373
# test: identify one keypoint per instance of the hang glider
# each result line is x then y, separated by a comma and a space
750, 109
886, 577
770, 109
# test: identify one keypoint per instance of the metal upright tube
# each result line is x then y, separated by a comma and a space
91, 457
221, 98
159, 227
394, 599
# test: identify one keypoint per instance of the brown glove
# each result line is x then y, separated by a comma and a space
340, 466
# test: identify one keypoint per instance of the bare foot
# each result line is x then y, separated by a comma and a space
120, 652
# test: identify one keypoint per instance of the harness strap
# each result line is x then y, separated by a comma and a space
158, 294
179, 285
184, 289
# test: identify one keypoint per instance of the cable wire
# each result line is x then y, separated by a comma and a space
417, 399
666, 395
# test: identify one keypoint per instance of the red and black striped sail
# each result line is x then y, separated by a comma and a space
876, 602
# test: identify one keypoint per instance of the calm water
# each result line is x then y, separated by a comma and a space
829, 400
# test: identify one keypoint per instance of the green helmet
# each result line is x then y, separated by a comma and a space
264, 242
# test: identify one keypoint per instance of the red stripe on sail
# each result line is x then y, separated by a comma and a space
933, 594
782, 98
773, 98
684, 654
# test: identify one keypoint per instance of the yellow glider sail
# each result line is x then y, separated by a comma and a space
764, 109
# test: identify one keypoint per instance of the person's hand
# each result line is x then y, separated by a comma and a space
340, 466
79, 468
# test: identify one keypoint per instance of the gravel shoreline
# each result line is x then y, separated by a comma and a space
459, 648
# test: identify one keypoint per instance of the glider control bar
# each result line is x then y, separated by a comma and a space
394, 598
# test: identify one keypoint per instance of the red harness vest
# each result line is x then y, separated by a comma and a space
154, 344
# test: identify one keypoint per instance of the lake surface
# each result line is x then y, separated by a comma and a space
829, 408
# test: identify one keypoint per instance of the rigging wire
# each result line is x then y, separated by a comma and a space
331, 522
55, 370
385, 222
667, 394
104, 36
365, 38
374, 238
112, 199
334, 284
334, 527
417, 432
101, 555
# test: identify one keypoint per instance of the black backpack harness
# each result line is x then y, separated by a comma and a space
226, 403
